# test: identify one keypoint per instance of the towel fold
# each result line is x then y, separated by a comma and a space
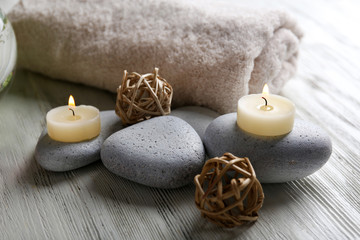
211, 58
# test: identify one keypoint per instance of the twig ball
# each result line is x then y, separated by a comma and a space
140, 97
228, 192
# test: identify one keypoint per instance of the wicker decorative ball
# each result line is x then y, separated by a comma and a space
228, 192
140, 97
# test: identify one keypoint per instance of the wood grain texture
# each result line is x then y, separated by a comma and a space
92, 203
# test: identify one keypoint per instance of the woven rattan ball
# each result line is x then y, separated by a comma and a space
140, 97
228, 192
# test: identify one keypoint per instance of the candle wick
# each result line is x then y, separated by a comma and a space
72, 111
265, 101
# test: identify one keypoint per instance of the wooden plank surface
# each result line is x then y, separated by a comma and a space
92, 203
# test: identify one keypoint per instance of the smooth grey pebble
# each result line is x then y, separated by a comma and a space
198, 117
295, 155
59, 156
162, 152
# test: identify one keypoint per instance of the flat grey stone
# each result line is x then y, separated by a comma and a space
59, 156
198, 117
298, 154
162, 152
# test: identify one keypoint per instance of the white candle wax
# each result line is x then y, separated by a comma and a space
63, 126
274, 119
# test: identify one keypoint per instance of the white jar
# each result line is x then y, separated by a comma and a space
8, 53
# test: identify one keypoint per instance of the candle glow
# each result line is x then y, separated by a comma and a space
265, 90
71, 101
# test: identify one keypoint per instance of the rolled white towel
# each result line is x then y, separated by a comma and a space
210, 58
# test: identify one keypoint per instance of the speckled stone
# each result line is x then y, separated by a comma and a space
198, 117
275, 159
59, 156
162, 152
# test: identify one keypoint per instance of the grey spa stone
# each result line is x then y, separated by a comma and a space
198, 117
295, 155
162, 152
59, 156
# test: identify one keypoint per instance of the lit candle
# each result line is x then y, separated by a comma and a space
73, 123
265, 114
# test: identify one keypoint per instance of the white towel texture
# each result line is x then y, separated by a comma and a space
211, 58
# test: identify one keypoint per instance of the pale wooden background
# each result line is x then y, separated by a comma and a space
92, 203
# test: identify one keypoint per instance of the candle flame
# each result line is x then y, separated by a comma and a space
71, 101
265, 90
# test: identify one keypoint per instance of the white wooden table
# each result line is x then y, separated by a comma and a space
92, 203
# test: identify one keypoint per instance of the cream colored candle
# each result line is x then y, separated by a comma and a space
73, 123
265, 114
